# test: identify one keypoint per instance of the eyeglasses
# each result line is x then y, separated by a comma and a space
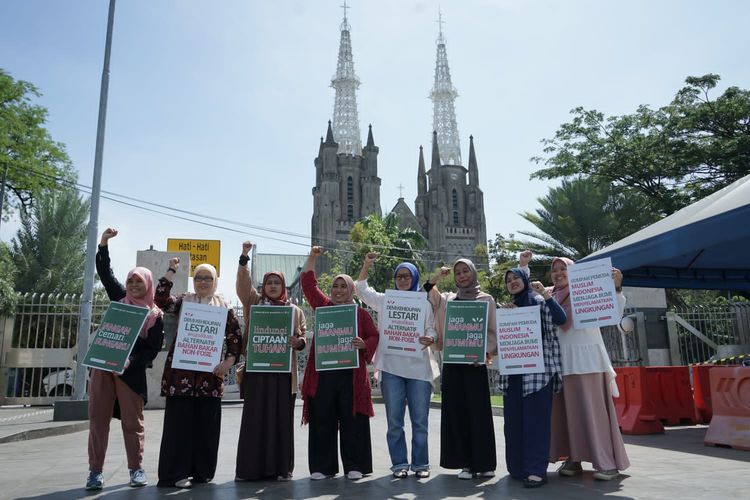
403, 277
203, 278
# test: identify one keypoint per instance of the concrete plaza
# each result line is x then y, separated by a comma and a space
671, 465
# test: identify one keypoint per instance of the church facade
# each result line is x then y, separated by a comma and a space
449, 208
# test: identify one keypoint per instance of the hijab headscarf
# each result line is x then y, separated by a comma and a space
470, 292
414, 275
283, 299
146, 301
212, 298
562, 294
349, 287
526, 296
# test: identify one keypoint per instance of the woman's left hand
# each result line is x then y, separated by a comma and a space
617, 277
222, 368
538, 287
358, 343
426, 341
296, 343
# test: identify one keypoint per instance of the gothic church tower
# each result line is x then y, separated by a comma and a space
347, 186
449, 206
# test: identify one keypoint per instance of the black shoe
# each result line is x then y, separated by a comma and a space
400, 474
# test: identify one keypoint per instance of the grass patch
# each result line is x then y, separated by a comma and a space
494, 400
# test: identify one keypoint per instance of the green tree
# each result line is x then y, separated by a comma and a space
393, 243
49, 248
33, 161
584, 215
8, 295
672, 156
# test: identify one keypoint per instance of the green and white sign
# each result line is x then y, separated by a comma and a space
268, 347
335, 329
465, 339
200, 337
116, 336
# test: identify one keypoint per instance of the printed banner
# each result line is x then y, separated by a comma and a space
465, 339
592, 294
268, 347
116, 336
519, 340
335, 329
200, 337
402, 323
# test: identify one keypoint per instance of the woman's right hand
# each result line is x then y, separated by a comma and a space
316, 251
370, 258
108, 234
246, 247
174, 263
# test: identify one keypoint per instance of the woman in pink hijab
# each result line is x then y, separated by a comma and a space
123, 395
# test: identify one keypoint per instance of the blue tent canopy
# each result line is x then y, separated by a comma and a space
705, 245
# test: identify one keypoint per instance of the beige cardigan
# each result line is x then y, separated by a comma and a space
438, 301
249, 296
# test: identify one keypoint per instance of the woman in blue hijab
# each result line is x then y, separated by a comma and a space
404, 380
528, 397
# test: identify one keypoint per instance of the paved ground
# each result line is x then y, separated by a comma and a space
673, 465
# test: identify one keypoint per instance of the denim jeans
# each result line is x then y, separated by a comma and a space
398, 392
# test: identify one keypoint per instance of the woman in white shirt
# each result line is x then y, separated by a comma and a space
404, 380
584, 420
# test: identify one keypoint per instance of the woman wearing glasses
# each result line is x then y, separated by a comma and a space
192, 417
404, 381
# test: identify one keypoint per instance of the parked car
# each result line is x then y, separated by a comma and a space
59, 383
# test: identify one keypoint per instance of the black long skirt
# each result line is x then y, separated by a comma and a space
190, 440
266, 445
467, 433
331, 411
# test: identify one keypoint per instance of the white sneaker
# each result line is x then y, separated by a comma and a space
138, 478
317, 476
465, 474
354, 475
184, 483
489, 473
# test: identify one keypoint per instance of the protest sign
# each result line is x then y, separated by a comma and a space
465, 338
519, 340
200, 337
402, 322
268, 347
335, 329
116, 336
593, 299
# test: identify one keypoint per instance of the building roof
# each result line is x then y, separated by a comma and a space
704, 245
290, 265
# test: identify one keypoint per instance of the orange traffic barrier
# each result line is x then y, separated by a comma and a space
702, 392
635, 411
730, 396
669, 389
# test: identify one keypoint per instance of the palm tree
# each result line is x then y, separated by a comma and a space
583, 215
49, 249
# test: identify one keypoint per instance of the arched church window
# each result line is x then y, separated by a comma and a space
350, 211
349, 190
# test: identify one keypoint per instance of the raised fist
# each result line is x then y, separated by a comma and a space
108, 233
371, 257
525, 258
174, 263
246, 247
316, 251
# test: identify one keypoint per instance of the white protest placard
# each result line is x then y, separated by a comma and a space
402, 322
593, 299
519, 340
200, 337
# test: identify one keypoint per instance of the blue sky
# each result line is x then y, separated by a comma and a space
218, 107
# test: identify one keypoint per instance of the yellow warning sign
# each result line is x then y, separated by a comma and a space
201, 252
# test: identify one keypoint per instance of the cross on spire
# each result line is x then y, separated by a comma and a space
440, 23
344, 7
400, 190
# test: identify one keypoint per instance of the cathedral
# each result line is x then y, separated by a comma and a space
449, 208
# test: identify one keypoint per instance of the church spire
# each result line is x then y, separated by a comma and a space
370, 140
443, 97
421, 175
346, 83
473, 170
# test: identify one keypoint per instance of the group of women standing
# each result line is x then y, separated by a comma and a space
542, 424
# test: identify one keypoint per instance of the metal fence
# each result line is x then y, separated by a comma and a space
703, 333
39, 345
